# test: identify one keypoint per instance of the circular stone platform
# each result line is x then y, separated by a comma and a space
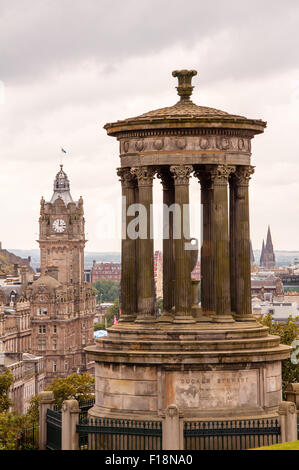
206, 369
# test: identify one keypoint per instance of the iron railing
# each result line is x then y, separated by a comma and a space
230, 435
85, 406
29, 438
119, 434
54, 425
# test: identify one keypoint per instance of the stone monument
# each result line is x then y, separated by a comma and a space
213, 361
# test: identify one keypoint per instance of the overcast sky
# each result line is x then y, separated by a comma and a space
69, 66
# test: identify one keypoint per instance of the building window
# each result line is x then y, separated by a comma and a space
66, 365
42, 345
54, 329
54, 366
42, 329
54, 344
83, 339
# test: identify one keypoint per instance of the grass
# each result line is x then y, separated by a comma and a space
286, 446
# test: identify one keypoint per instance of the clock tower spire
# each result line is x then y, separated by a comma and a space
62, 233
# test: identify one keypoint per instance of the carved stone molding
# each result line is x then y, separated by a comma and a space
181, 173
180, 142
128, 180
210, 175
243, 174
158, 144
144, 175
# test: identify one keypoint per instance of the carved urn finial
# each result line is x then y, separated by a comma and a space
185, 87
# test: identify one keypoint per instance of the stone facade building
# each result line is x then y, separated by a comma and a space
62, 303
105, 270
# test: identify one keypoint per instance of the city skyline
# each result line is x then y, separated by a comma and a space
60, 93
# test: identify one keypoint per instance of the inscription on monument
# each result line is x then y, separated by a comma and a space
212, 389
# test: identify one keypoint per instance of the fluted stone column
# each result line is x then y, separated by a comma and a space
182, 258
232, 244
240, 242
219, 175
128, 249
207, 256
168, 243
145, 246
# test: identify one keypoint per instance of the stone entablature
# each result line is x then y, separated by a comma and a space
187, 143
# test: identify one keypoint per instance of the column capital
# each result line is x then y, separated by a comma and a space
127, 179
209, 175
242, 175
144, 175
181, 174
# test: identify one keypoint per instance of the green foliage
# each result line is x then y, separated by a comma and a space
11, 427
160, 304
6, 380
33, 410
99, 326
112, 312
76, 386
107, 291
288, 332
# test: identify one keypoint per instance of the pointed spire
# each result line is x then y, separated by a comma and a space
269, 244
262, 254
267, 256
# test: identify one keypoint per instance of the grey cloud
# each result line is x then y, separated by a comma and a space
37, 37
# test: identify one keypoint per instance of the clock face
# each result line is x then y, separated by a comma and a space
59, 225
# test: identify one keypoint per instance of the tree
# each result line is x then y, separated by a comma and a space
76, 386
11, 427
112, 312
107, 291
6, 380
288, 332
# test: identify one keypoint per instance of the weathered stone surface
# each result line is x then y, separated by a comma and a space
213, 389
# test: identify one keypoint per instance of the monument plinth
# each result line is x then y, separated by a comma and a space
212, 361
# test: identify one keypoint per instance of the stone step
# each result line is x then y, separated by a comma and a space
183, 345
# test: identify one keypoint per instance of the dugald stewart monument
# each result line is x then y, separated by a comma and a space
214, 361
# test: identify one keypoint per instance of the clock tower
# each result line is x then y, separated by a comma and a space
62, 304
61, 233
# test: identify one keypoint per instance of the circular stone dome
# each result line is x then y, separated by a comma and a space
47, 282
185, 114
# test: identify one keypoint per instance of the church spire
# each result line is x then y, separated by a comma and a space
267, 256
269, 244
262, 254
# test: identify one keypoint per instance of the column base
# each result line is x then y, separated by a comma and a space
166, 317
184, 319
199, 315
126, 318
248, 317
145, 319
222, 319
